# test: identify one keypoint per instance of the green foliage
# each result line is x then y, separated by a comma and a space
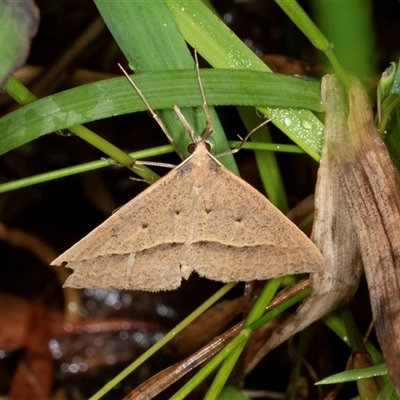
18, 24
355, 374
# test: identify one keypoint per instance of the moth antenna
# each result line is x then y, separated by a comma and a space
150, 108
208, 130
184, 122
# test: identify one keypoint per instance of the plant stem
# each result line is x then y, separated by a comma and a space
169, 336
316, 37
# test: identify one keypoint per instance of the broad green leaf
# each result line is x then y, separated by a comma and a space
150, 40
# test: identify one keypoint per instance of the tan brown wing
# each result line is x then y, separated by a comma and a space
139, 246
240, 236
198, 217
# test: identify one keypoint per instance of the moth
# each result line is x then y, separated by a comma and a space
199, 217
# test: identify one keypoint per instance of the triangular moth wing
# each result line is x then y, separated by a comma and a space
241, 236
139, 246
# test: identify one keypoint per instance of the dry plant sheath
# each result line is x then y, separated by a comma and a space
367, 388
371, 185
333, 233
199, 217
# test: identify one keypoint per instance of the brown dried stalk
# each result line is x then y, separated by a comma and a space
333, 233
357, 206
371, 184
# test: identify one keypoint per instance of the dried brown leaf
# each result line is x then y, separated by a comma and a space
333, 234
370, 183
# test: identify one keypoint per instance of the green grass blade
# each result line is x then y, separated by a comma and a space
349, 26
163, 89
169, 336
151, 41
222, 49
255, 313
388, 392
20, 93
298, 297
266, 161
355, 374
23, 96
224, 372
316, 37
277, 147
78, 169
137, 155
242, 337
336, 322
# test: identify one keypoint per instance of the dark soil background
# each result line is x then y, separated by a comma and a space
59, 213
